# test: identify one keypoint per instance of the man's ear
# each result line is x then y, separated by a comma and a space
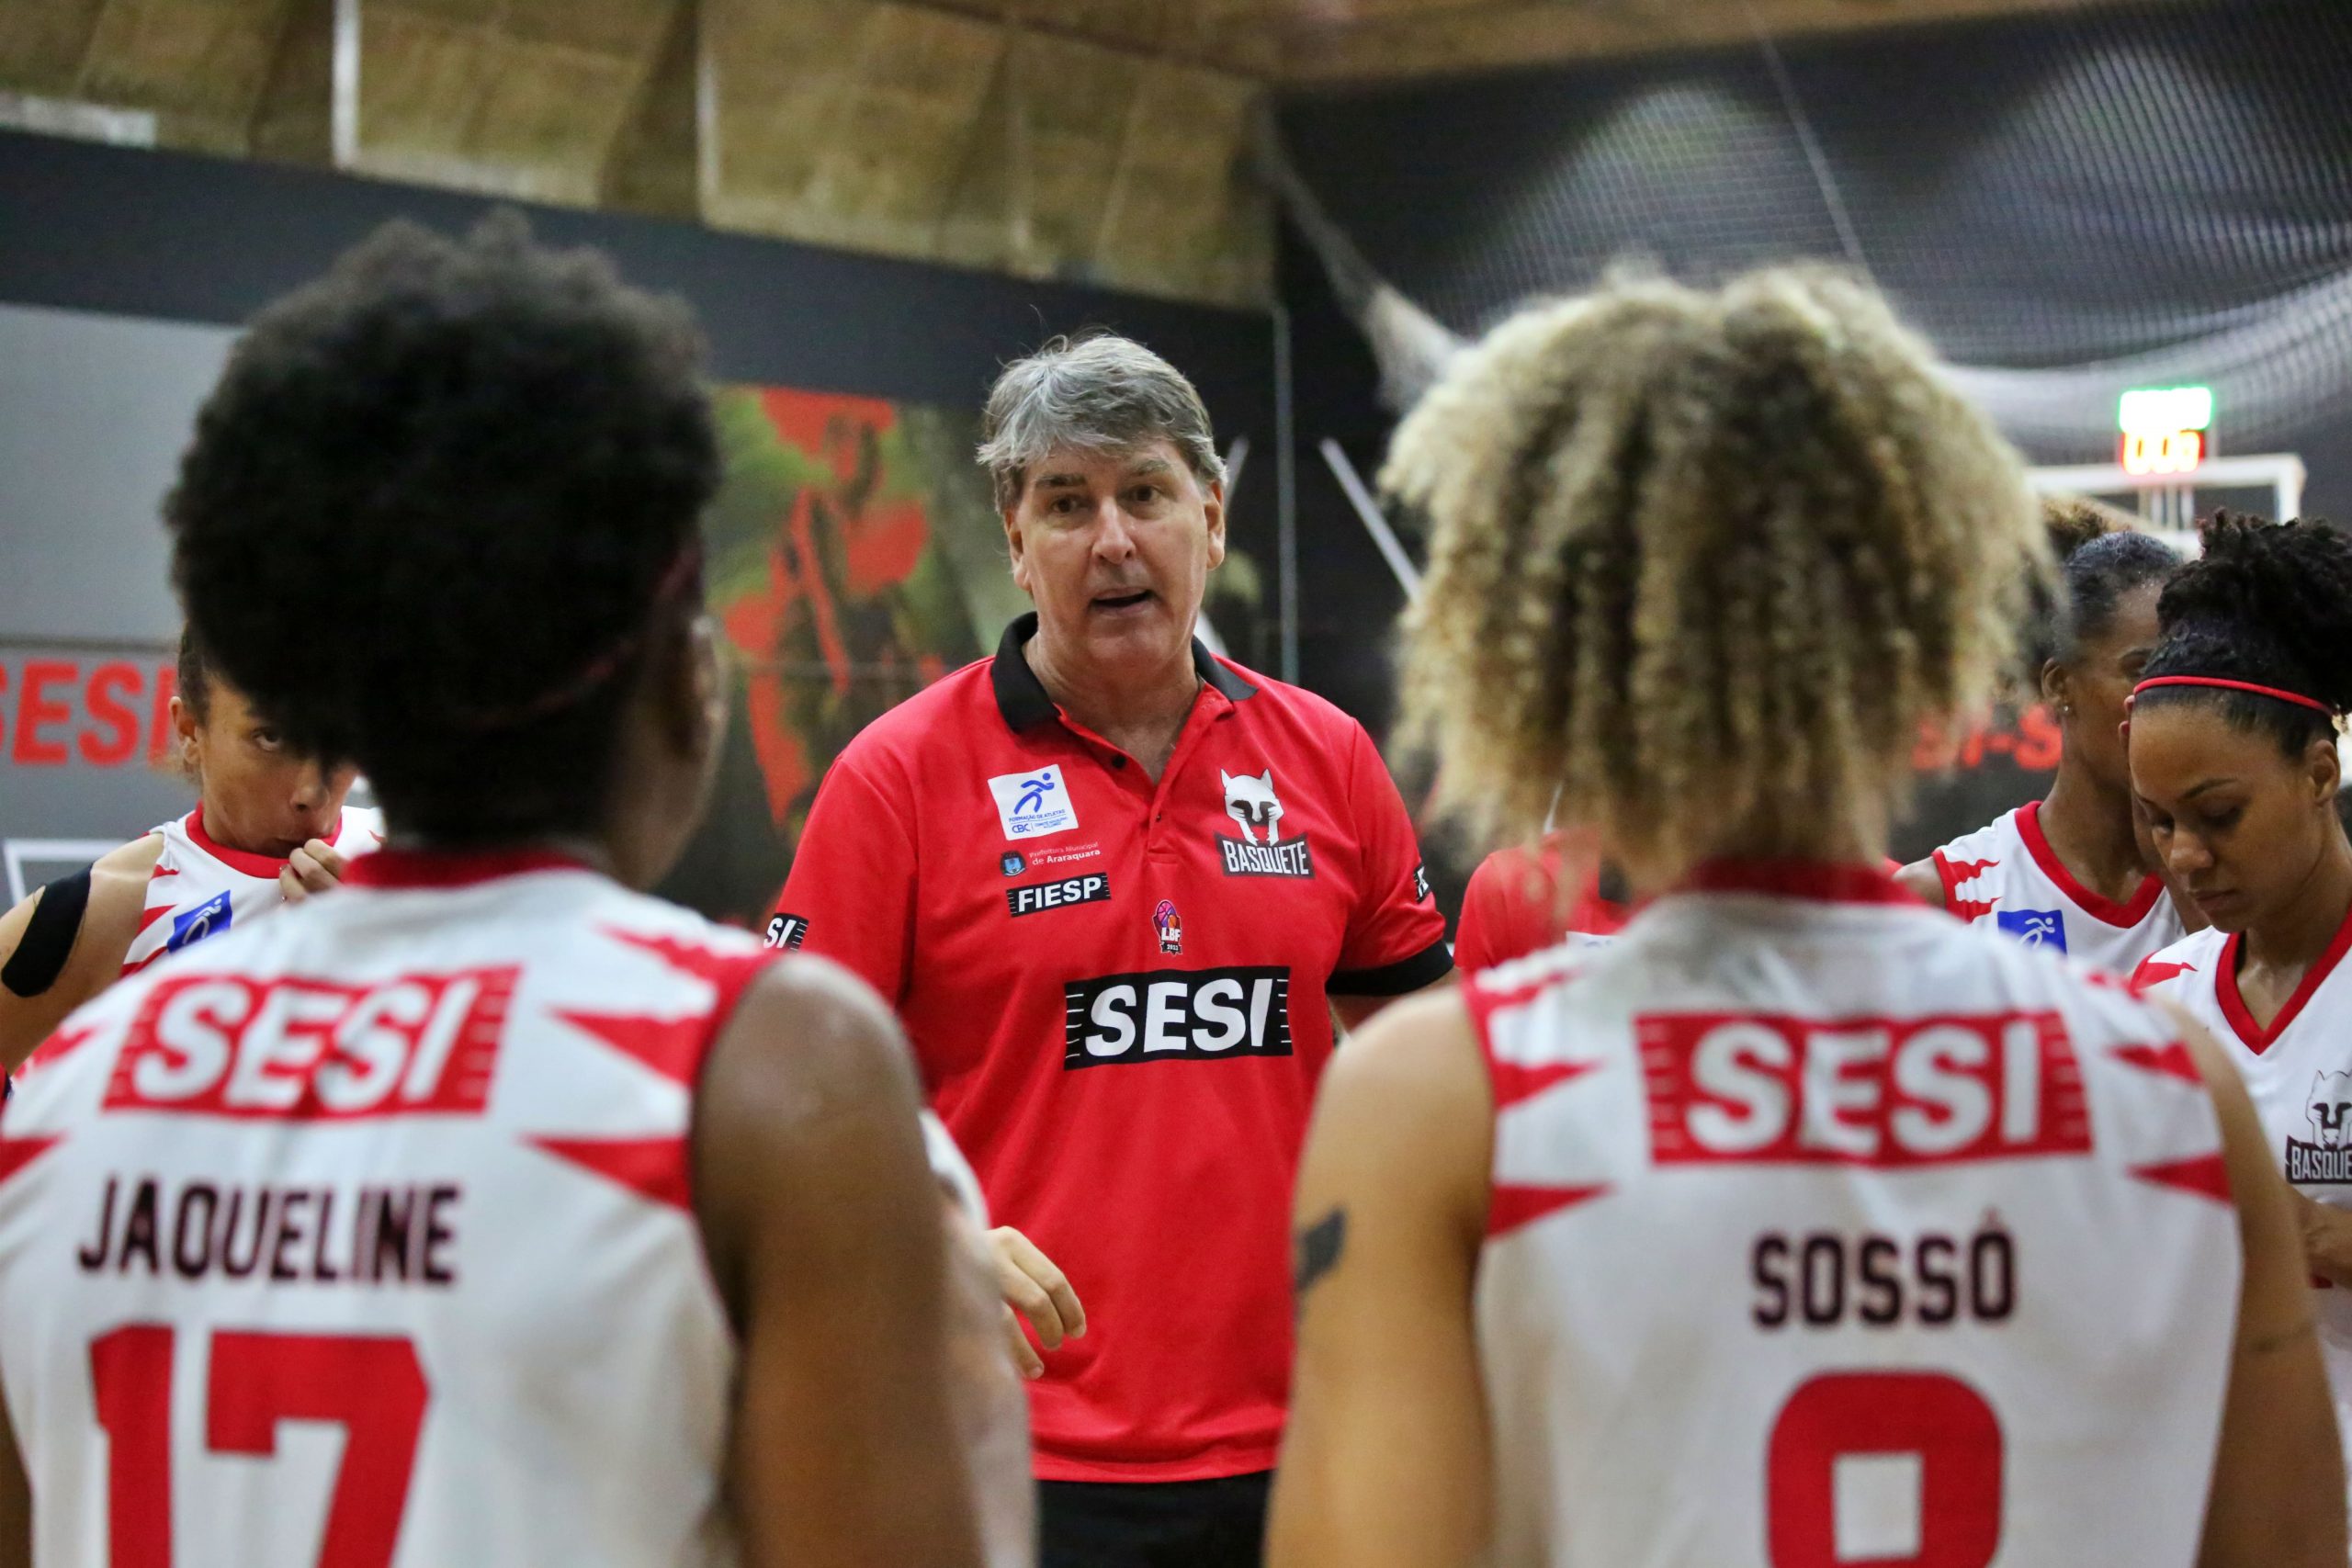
1016, 546
1213, 508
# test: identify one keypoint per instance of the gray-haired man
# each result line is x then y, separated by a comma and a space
1110, 881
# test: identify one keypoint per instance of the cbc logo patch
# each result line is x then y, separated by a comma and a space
787, 930
1030, 897
1164, 1015
1033, 804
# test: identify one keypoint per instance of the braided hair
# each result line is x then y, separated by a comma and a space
2269, 604
2101, 563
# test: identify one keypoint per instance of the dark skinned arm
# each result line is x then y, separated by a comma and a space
822, 1223
117, 896
2277, 1490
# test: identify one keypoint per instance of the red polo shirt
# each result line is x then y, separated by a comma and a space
1117, 992
1518, 901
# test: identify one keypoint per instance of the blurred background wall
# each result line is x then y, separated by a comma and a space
873, 203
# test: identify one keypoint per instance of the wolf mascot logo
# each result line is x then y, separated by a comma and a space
1251, 801
1253, 804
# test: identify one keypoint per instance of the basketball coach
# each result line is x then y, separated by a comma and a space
1111, 881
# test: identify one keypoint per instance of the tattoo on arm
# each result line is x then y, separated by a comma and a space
2271, 1344
1318, 1251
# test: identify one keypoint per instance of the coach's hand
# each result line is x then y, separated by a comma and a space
313, 868
1038, 1291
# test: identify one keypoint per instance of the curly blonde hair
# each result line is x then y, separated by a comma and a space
1701, 565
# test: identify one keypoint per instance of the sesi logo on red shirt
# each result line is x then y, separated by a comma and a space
308, 1050
1873, 1091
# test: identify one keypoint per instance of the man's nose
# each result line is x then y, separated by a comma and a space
1114, 539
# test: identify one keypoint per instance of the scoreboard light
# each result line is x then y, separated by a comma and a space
2164, 429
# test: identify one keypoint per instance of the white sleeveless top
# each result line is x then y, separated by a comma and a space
1826, 1231
2007, 876
2298, 1073
363, 1235
200, 888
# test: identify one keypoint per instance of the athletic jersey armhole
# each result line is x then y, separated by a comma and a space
1946, 874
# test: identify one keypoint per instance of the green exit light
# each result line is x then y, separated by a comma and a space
2161, 410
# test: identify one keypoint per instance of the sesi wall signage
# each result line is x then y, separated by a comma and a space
85, 756
94, 412
62, 710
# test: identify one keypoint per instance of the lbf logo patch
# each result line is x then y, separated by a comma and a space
1034, 804
195, 925
2035, 928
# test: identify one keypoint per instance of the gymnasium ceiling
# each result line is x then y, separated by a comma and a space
1099, 141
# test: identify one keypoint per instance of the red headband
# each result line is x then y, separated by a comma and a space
2295, 698
575, 688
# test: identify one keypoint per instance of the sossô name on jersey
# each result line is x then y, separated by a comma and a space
375, 1235
1177, 1015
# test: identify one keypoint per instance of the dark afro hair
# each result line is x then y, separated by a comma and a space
2099, 564
434, 494
2270, 604
192, 675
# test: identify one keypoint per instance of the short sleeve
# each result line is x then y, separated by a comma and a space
1395, 940
1493, 908
851, 893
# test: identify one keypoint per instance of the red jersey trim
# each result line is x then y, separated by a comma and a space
266, 867
1817, 880
2098, 906
2255, 1038
453, 868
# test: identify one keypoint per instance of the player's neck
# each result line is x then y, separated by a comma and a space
2306, 924
2089, 829
587, 848
1772, 836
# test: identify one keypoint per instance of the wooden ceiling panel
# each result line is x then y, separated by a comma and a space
553, 107
206, 58
44, 42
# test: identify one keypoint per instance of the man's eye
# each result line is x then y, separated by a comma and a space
2223, 821
267, 740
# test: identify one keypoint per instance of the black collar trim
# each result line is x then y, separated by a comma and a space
1021, 696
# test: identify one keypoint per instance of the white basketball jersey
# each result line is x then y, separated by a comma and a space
2299, 1073
1826, 1231
200, 888
2006, 874
362, 1236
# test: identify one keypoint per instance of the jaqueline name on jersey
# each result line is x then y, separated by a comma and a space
286, 1235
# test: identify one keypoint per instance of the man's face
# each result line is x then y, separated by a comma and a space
1115, 548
